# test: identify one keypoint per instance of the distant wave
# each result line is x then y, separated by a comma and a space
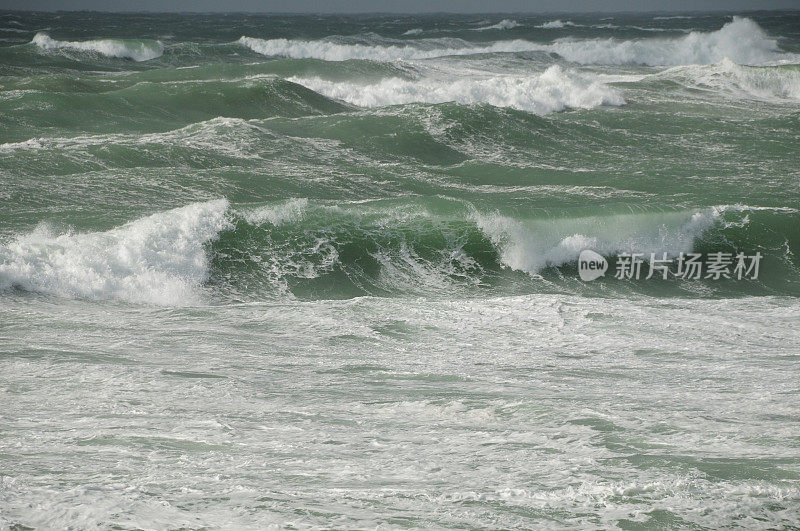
502, 25
138, 50
741, 40
413, 31
553, 90
422, 49
555, 24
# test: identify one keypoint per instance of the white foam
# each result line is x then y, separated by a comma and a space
128, 49
158, 259
421, 49
413, 31
502, 25
763, 83
553, 90
292, 210
531, 246
741, 40
556, 24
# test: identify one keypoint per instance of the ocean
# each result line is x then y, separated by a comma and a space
381, 271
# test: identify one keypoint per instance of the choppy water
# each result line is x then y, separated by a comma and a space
321, 271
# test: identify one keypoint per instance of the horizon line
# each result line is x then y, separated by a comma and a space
401, 13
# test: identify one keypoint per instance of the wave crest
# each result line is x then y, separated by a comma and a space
534, 245
553, 90
138, 50
158, 259
556, 24
775, 84
504, 24
422, 49
742, 40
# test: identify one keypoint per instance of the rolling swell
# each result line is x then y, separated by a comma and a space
147, 106
325, 250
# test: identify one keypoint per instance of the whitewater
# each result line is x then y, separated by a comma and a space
324, 271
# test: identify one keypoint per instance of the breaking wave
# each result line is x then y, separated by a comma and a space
556, 24
138, 50
502, 25
158, 259
421, 49
775, 83
321, 249
553, 90
742, 40
531, 246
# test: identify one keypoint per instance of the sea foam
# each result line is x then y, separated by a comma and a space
742, 40
158, 259
556, 24
421, 49
502, 25
553, 90
138, 50
776, 83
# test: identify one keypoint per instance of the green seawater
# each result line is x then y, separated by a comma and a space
322, 271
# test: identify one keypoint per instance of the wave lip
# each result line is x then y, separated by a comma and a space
158, 259
138, 50
553, 90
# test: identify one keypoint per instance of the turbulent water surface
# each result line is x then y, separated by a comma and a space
322, 271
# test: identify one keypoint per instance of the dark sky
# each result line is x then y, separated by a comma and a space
400, 6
